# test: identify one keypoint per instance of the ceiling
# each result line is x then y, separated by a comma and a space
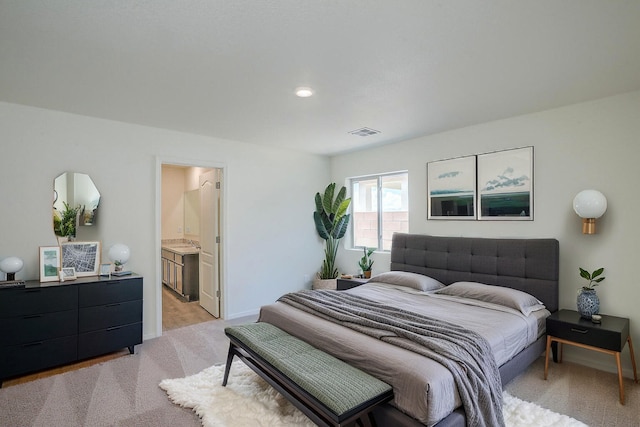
228, 68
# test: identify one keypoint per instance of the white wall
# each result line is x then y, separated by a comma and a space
590, 145
270, 242
172, 204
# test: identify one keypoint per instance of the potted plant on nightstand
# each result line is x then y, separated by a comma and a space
366, 262
331, 220
588, 301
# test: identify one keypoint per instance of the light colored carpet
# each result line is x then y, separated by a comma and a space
125, 392
587, 394
248, 401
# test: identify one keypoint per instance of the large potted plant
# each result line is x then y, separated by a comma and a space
331, 220
588, 301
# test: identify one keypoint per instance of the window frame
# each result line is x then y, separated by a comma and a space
378, 177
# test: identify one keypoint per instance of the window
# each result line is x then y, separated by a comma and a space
376, 218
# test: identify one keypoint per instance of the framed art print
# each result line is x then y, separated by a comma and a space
105, 269
68, 273
451, 188
84, 257
505, 185
49, 263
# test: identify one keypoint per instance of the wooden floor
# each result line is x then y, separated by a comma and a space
175, 314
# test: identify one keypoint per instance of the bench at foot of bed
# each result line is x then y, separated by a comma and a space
327, 390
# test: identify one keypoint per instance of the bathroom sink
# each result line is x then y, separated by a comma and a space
182, 247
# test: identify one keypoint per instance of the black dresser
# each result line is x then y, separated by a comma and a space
43, 325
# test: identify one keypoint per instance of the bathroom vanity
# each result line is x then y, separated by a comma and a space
180, 269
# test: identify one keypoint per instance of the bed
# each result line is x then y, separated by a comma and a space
425, 391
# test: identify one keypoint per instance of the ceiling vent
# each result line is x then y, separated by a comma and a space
364, 132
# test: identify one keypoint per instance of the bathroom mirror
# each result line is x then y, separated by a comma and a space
192, 212
75, 203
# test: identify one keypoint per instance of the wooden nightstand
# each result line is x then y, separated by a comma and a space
344, 284
609, 336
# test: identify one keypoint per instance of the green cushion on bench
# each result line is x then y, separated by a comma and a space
340, 386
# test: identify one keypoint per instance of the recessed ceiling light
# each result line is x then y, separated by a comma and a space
304, 92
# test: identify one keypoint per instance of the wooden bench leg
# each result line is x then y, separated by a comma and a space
227, 368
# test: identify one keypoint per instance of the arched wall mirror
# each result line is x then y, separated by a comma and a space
75, 203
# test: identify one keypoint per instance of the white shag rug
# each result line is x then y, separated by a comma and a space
248, 401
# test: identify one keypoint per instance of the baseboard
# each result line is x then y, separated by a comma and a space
250, 313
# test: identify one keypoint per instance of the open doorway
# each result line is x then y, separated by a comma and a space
190, 219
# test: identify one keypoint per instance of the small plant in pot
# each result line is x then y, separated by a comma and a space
588, 301
331, 220
366, 262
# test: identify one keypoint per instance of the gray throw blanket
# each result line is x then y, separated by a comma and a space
465, 353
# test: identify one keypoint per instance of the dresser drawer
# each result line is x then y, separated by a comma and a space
20, 359
110, 292
27, 301
38, 327
109, 315
107, 340
587, 333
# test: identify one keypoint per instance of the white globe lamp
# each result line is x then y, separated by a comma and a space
119, 254
11, 266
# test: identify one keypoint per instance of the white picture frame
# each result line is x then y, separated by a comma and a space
105, 269
451, 189
505, 185
49, 263
68, 273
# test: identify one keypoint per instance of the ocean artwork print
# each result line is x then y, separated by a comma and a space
451, 187
505, 185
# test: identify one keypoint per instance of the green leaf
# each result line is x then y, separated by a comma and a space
341, 227
327, 200
597, 273
337, 204
320, 226
585, 274
342, 208
319, 207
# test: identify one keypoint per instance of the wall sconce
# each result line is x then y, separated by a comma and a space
11, 266
589, 205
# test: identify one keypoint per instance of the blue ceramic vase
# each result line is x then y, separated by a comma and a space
588, 303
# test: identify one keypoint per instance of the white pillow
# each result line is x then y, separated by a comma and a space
410, 280
513, 298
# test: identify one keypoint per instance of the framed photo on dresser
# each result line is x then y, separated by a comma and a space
84, 257
49, 263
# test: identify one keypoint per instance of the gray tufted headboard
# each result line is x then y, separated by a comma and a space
529, 265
